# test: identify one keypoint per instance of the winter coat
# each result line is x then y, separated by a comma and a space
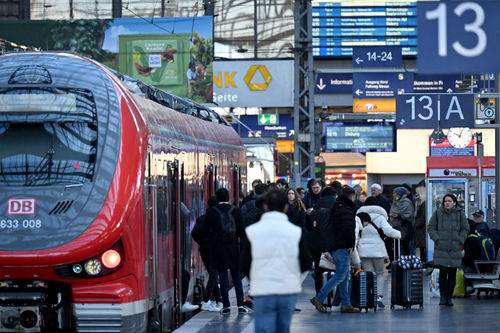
405, 217
296, 215
311, 199
314, 233
384, 203
226, 254
370, 244
448, 229
420, 225
344, 225
277, 256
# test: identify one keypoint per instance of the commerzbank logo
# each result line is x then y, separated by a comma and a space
253, 78
251, 73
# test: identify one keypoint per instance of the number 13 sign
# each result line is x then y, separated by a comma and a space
458, 36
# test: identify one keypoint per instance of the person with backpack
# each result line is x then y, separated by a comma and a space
477, 247
371, 246
226, 223
316, 224
206, 242
341, 243
252, 209
277, 258
448, 228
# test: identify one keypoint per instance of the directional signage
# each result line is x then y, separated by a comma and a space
381, 85
377, 57
458, 36
250, 128
424, 111
451, 83
333, 83
269, 119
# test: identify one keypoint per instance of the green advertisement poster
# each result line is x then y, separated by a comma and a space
173, 54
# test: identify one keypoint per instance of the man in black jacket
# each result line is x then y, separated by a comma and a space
315, 226
340, 245
227, 252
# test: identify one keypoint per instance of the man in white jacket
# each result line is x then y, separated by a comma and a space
278, 256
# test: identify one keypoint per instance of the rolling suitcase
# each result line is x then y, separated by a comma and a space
364, 290
406, 285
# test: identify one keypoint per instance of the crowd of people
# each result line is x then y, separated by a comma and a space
277, 232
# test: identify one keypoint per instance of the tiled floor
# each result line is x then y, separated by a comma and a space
471, 315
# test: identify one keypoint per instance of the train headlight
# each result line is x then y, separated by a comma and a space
93, 266
111, 259
77, 268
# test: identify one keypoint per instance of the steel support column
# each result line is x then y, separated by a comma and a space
303, 110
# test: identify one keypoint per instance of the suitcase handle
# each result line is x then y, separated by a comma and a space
397, 249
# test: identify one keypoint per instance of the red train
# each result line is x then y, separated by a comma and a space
101, 180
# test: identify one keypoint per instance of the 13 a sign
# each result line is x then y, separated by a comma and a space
424, 111
458, 36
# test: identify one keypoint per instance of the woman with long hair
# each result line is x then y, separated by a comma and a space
296, 209
448, 228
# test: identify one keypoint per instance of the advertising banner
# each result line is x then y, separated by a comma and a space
253, 83
173, 54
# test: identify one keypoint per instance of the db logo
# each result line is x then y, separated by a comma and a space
21, 206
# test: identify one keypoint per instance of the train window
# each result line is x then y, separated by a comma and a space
41, 146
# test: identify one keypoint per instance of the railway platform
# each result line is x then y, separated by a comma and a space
471, 314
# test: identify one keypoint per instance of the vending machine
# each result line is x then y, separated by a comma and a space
488, 193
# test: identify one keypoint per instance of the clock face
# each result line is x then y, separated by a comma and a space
459, 137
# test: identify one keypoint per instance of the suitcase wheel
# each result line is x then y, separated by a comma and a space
392, 307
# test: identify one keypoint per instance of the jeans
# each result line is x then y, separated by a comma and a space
212, 288
273, 313
342, 258
224, 286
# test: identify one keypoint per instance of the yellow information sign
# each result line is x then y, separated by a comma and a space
373, 105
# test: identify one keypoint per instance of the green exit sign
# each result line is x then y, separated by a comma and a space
269, 119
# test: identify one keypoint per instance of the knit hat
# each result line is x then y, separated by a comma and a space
407, 186
400, 191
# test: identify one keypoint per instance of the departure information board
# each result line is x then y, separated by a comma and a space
359, 137
340, 25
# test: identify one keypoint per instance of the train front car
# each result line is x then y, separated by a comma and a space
65, 189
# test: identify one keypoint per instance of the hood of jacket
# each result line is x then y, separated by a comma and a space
344, 200
325, 202
373, 210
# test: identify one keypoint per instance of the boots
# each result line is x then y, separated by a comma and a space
443, 291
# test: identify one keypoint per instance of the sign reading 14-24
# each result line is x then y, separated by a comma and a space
458, 36
425, 111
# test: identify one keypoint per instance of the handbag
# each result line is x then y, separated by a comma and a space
326, 261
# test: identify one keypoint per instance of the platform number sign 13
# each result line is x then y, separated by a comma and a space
458, 36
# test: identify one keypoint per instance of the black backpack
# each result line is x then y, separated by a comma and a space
199, 232
253, 213
323, 228
227, 225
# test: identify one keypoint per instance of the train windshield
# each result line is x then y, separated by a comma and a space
48, 136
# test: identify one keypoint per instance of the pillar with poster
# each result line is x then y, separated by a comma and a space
470, 178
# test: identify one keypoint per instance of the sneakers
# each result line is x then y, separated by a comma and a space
349, 309
318, 305
226, 310
380, 304
187, 307
336, 308
209, 306
244, 309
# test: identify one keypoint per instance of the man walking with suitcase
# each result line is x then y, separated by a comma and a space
340, 243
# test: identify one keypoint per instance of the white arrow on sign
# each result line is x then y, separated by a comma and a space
358, 92
321, 86
449, 91
359, 60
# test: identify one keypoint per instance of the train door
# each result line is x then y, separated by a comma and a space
150, 241
175, 244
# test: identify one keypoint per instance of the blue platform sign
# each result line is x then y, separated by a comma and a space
250, 128
377, 57
381, 85
424, 111
333, 83
458, 37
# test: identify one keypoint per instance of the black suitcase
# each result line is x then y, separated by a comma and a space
327, 275
406, 285
364, 290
